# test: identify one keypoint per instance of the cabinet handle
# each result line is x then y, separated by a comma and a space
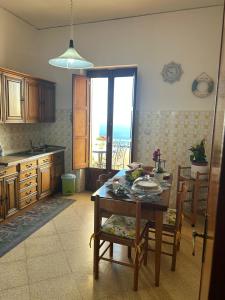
28, 174
28, 200
3, 173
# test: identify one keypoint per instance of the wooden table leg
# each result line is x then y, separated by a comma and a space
158, 243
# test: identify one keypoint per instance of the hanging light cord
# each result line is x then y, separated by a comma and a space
71, 19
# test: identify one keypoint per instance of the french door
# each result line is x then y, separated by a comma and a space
112, 102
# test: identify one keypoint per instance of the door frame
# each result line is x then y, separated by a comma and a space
111, 74
213, 268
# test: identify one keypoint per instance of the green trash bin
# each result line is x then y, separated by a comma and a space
68, 184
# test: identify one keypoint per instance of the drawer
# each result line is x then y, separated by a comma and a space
26, 175
27, 201
45, 160
28, 183
28, 165
28, 192
8, 171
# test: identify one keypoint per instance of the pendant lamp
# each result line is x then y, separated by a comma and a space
70, 59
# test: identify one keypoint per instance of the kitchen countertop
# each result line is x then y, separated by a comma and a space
15, 158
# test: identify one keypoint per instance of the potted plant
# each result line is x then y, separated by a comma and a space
198, 159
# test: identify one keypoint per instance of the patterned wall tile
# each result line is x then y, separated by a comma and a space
16, 137
60, 133
172, 132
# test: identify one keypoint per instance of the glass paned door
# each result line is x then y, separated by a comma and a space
122, 122
112, 95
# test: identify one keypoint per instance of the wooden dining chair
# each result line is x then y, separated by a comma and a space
172, 225
120, 228
148, 169
102, 178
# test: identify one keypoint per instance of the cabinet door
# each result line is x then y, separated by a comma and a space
13, 98
32, 101
2, 199
11, 195
1, 99
58, 172
47, 102
45, 181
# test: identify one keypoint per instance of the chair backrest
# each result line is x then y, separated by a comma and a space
103, 178
109, 206
181, 197
148, 168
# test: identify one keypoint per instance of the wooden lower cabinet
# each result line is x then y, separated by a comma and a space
2, 198
57, 182
28, 200
45, 181
59, 169
11, 194
26, 183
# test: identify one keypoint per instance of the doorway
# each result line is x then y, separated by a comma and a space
112, 107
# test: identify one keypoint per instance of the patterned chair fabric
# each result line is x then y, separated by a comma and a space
170, 217
122, 226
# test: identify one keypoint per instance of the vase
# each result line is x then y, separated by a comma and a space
201, 168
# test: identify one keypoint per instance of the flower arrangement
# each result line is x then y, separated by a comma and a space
158, 161
198, 155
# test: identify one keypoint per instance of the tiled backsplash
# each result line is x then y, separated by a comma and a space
16, 137
172, 132
60, 133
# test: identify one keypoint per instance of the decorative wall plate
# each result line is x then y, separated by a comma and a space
202, 86
172, 72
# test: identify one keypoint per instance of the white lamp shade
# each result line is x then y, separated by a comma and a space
70, 59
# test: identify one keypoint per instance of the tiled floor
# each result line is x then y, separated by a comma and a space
56, 263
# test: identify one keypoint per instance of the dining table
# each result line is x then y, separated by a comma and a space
151, 210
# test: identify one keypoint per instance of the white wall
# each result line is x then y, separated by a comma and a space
19, 43
191, 38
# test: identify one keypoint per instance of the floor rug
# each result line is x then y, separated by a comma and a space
20, 227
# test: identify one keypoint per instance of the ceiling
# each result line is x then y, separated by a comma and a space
52, 13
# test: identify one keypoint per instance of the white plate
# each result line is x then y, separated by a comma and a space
142, 191
148, 185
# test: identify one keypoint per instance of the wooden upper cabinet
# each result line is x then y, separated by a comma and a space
32, 102
80, 122
25, 99
47, 101
1, 99
13, 95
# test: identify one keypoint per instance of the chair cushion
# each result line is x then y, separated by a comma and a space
122, 226
170, 217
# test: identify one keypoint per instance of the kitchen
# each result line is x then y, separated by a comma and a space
39, 136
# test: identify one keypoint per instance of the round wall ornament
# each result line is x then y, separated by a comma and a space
202, 86
172, 72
